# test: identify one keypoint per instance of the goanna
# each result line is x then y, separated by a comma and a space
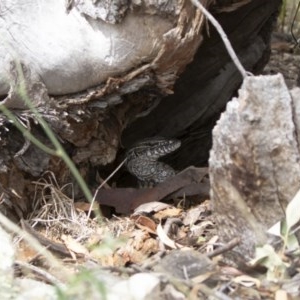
142, 160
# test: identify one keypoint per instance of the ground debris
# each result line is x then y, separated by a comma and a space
125, 251
125, 200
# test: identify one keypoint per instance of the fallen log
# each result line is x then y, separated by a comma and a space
94, 100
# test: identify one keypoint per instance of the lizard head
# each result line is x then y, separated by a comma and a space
153, 148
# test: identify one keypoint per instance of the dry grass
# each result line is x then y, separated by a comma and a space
55, 211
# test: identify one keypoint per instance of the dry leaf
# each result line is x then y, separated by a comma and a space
74, 246
165, 239
193, 215
247, 281
125, 200
211, 243
84, 206
231, 271
151, 207
168, 213
144, 223
201, 278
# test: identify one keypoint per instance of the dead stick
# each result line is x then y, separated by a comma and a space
224, 248
223, 35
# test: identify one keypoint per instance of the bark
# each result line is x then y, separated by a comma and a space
76, 52
209, 82
117, 61
254, 162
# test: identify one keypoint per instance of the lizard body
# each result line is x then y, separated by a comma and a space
142, 160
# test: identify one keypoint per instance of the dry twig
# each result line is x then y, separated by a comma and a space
223, 35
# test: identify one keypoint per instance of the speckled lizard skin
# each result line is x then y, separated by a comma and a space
142, 160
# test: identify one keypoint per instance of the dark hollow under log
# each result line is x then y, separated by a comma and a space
203, 90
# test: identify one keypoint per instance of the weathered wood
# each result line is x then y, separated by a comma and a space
63, 52
209, 82
254, 162
116, 61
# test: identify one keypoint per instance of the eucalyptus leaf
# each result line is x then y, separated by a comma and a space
293, 211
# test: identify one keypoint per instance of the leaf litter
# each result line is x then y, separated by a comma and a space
155, 242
